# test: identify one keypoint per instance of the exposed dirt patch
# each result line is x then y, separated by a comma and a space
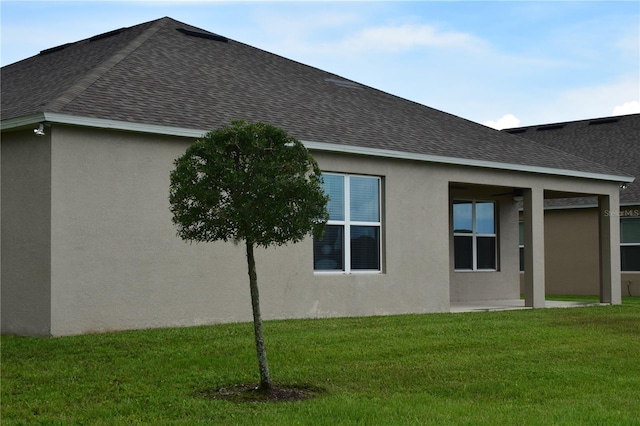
250, 393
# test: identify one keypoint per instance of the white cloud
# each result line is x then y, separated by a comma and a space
406, 37
632, 107
504, 122
579, 103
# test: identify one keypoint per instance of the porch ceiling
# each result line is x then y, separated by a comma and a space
465, 189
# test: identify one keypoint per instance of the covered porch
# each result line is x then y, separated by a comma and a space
528, 202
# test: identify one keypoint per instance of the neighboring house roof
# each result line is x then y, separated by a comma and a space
167, 73
613, 141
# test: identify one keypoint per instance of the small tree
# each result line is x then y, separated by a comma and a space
251, 182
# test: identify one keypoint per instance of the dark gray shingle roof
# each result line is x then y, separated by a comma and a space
612, 141
165, 72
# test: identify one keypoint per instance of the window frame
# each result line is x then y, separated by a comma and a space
631, 244
474, 235
346, 223
521, 245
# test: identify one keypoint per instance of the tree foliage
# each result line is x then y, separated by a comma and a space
247, 181
251, 182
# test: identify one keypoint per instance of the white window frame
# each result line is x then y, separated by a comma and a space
474, 235
347, 223
634, 244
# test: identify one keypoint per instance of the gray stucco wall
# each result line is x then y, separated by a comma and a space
571, 247
117, 263
26, 233
109, 258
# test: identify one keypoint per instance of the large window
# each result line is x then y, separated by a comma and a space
351, 240
630, 244
474, 236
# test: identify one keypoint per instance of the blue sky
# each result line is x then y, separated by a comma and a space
504, 63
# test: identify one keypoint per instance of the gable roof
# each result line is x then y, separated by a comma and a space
167, 75
612, 141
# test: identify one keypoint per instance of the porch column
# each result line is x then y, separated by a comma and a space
534, 247
609, 232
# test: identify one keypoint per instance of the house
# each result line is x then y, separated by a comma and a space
571, 239
90, 131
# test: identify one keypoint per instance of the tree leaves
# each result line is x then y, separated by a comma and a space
249, 181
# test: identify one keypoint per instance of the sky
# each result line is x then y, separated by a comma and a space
499, 63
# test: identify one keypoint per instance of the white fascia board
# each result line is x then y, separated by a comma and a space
18, 122
377, 152
101, 123
314, 146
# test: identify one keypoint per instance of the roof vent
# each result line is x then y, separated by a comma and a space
205, 35
550, 127
604, 121
94, 38
514, 131
344, 83
107, 34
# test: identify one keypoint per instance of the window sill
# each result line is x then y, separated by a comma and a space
466, 271
320, 273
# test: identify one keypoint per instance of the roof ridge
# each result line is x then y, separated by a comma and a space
56, 105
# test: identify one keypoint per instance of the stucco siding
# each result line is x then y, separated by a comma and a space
630, 284
571, 246
26, 233
106, 240
571, 249
117, 262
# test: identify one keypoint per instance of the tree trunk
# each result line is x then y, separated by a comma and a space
265, 378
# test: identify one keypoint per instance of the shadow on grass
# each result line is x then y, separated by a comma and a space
240, 393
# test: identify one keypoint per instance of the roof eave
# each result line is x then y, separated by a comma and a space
375, 152
102, 123
314, 146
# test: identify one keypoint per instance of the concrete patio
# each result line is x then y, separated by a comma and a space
505, 305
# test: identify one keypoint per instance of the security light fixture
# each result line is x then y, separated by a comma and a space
40, 130
624, 186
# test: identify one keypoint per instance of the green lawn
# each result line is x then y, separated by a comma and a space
546, 366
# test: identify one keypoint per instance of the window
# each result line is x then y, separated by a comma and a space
521, 245
351, 240
474, 236
630, 244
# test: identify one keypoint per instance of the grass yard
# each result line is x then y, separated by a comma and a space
547, 366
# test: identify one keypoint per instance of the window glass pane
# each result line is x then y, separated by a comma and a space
365, 247
630, 258
521, 259
364, 203
485, 220
334, 187
630, 230
486, 252
462, 216
463, 252
328, 253
521, 228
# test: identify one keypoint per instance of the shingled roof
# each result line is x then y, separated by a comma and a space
168, 73
612, 141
